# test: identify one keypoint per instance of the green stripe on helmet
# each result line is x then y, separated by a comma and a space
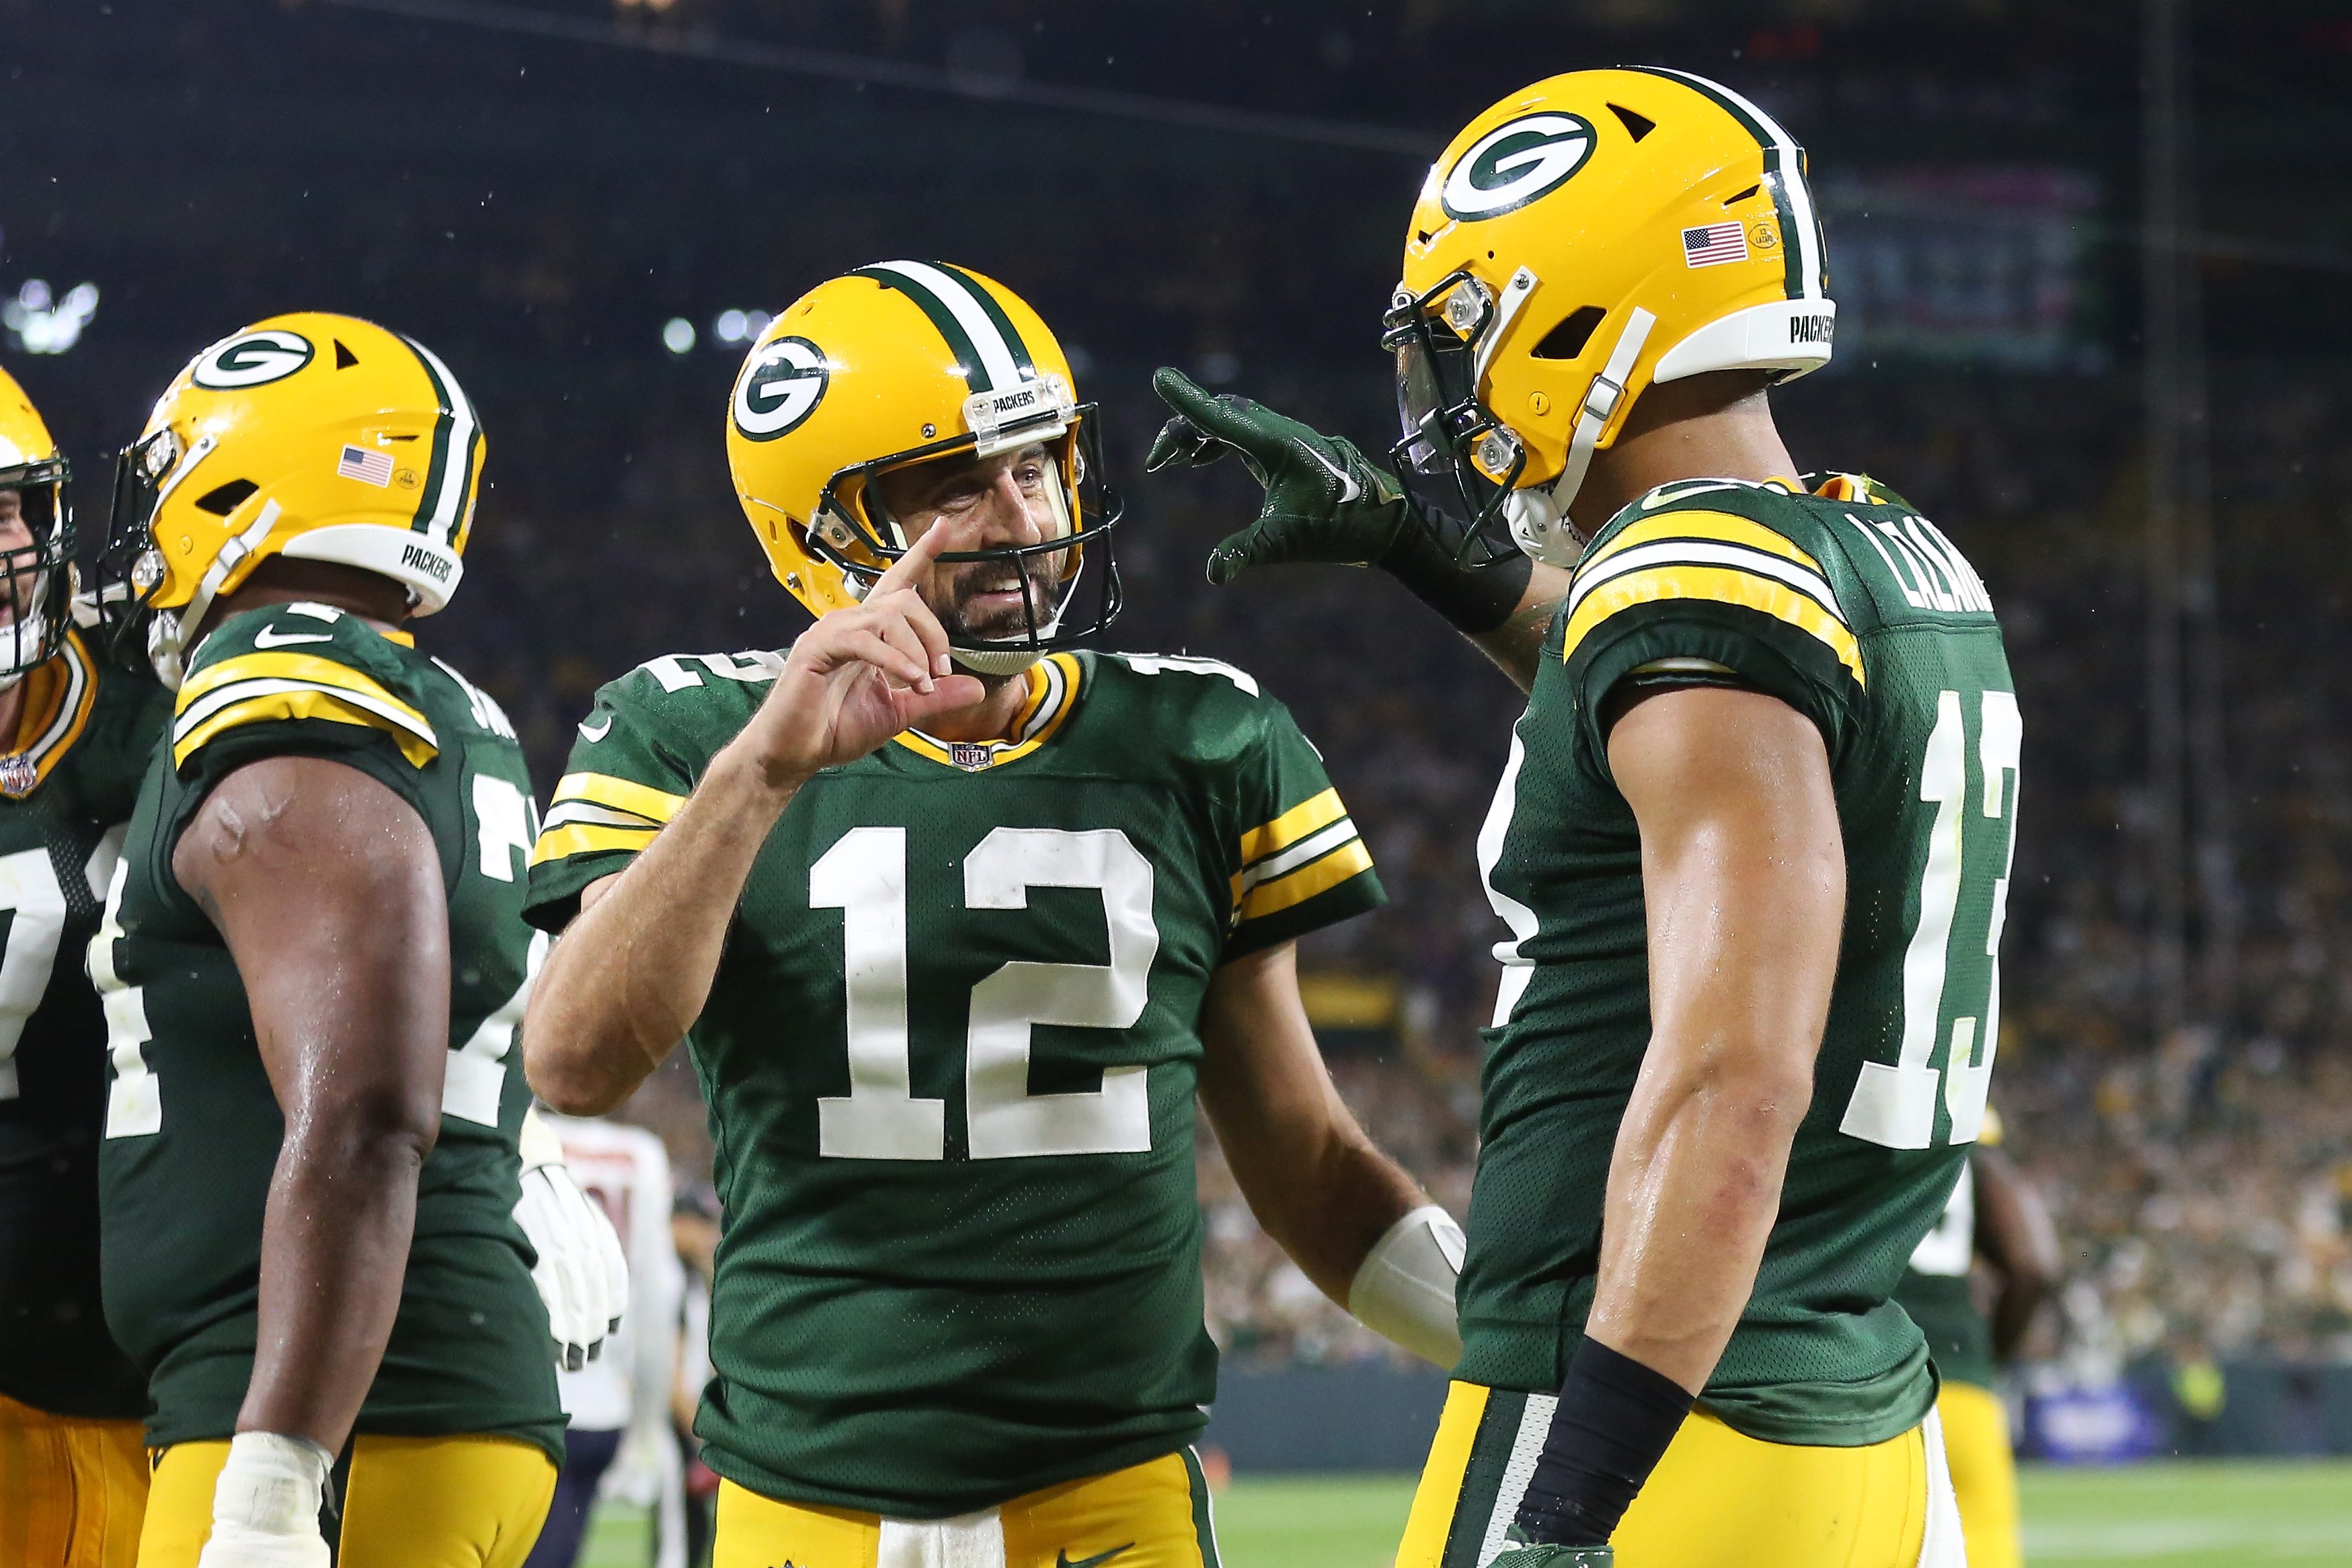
958, 341
1792, 250
988, 302
436, 469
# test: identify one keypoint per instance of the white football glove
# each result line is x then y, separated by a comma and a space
582, 1273
266, 1505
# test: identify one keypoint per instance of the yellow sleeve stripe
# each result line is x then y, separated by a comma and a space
1318, 876
266, 701
620, 795
1721, 526
1721, 585
307, 666
587, 839
1316, 811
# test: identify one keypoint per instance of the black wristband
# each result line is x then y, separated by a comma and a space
1613, 1423
1475, 599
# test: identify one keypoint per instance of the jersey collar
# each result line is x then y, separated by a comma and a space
58, 696
1052, 695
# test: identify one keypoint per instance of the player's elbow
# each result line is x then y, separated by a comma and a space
381, 1129
564, 1074
1764, 1080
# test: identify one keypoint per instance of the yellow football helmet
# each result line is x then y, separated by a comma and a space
901, 363
36, 577
317, 436
1581, 239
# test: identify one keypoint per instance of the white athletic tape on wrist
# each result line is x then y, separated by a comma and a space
271, 1484
1405, 1289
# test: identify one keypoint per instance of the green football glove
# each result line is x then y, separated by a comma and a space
1543, 1554
1324, 501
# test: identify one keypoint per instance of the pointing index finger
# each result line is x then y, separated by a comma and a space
919, 555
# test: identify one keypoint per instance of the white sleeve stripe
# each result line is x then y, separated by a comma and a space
1314, 847
1702, 553
213, 702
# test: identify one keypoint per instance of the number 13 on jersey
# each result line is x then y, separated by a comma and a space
1896, 1106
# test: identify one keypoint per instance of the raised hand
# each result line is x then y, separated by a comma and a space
1324, 500
860, 676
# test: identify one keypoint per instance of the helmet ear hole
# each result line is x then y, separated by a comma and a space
1567, 340
223, 499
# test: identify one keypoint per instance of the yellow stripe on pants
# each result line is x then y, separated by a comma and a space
1717, 1500
71, 1492
410, 1502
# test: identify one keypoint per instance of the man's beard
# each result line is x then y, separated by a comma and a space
1000, 623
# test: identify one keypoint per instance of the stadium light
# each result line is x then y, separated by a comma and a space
733, 326
43, 325
677, 335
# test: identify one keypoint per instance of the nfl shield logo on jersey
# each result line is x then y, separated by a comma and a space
970, 755
17, 775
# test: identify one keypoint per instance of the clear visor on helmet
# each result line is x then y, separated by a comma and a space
1035, 595
1458, 461
36, 542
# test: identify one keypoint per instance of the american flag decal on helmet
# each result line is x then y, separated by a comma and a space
359, 463
1714, 244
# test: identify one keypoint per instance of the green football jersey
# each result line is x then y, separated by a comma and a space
1857, 612
1936, 1291
192, 1126
949, 1058
87, 728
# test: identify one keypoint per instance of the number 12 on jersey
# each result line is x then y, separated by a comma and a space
864, 874
1896, 1106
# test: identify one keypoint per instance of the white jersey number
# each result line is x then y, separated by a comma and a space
1896, 1106
34, 906
865, 876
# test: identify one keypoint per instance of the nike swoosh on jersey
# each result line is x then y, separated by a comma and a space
1061, 1558
1349, 491
270, 636
599, 733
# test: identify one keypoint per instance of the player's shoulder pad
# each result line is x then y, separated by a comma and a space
302, 661
686, 697
1707, 541
1217, 707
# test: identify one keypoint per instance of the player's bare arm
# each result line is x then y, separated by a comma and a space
2016, 1238
1312, 1176
1744, 876
633, 972
327, 887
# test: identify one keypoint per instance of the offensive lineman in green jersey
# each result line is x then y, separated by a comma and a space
1752, 844
1994, 1218
77, 733
313, 963
954, 953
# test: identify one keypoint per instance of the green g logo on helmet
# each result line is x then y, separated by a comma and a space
781, 387
251, 359
1513, 165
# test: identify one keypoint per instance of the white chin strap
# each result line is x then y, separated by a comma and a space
168, 632
1538, 514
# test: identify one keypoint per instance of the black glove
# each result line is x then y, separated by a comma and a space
1324, 501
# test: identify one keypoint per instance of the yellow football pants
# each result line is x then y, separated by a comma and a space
1153, 1515
1717, 1501
71, 1492
1984, 1473
410, 1502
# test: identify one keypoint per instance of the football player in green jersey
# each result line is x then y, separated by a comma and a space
1751, 844
957, 922
1997, 1219
313, 962
75, 734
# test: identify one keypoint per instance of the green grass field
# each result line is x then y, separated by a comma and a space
2166, 1516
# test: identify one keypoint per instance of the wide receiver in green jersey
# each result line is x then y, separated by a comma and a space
1751, 844
313, 962
75, 734
953, 954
